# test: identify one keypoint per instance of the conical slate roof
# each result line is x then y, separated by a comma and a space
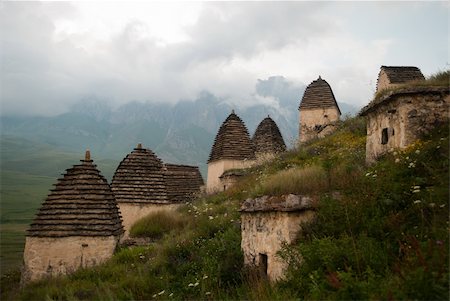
318, 94
267, 137
183, 182
232, 141
139, 178
81, 204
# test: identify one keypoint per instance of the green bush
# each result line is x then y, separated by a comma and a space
155, 225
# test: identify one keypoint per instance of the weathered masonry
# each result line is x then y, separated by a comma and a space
78, 225
232, 149
318, 111
400, 117
267, 140
403, 113
142, 184
393, 76
266, 224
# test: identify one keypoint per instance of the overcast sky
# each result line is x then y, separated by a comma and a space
55, 53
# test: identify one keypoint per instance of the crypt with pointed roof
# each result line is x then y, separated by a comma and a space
77, 226
232, 149
318, 111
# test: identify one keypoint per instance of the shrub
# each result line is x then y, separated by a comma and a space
155, 225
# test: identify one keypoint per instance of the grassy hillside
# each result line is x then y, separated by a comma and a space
380, 232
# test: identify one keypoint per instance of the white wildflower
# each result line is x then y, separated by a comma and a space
395, 153
154, 296
368, 174
417, 151
161, 292
407, 158
416, 187
416, 191
190, 284
417, 201
432, 205
442, 206
171, 294
397, 160
208, 293
197, 283
374, 176
205, 277
211, 217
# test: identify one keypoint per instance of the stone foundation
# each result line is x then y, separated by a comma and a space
52, 256
263, 235
132, 212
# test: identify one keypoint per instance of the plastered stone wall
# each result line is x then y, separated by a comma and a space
405, 118
217, 168
51, 256
132, 212
310, 118
383, 81
265, 232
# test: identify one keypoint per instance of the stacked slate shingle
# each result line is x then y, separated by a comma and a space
267, 137
139, 178
183, 182
232, 141
81, 204
318, 94
402, 74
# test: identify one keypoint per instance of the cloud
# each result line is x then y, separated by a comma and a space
54, 54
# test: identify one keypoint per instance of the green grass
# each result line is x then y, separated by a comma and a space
384, 237
155, 225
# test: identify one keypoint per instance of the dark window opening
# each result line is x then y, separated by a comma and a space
224, 187
384, 136
393, 132
326, 116
263, 260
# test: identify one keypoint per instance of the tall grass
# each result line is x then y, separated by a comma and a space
156, 224
306, 180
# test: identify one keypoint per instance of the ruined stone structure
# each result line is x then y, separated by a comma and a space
390, 76
78, 225
232, 149
400, 117
267, 139
319, 111
183, 182
267, 223
142, 184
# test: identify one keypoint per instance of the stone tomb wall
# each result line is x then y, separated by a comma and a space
51, 256
132, 212
311, 118
399, 121
265, 232
217, 168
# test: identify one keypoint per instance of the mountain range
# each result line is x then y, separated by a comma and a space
177, 133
